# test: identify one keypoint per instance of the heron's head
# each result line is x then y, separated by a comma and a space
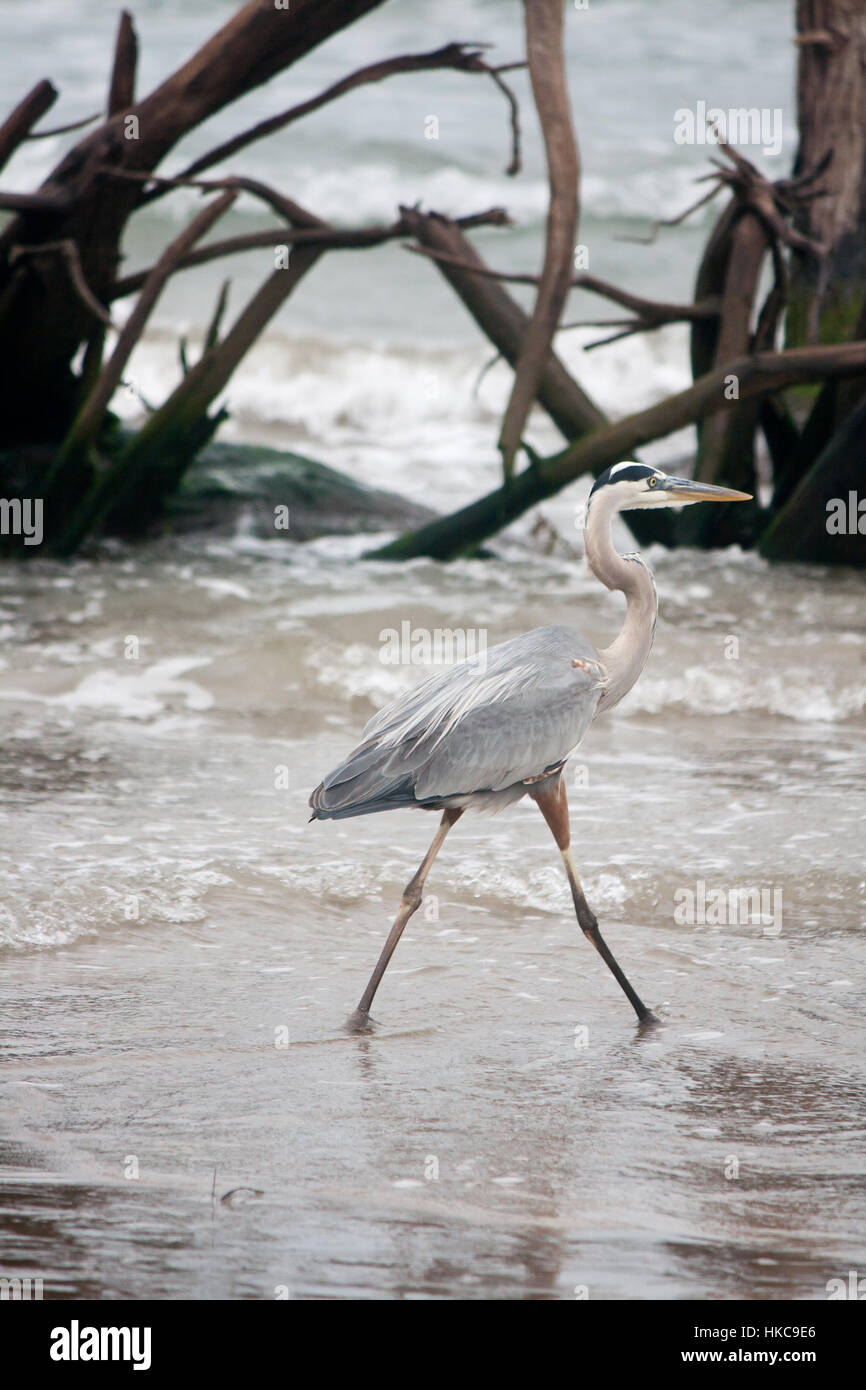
631, 485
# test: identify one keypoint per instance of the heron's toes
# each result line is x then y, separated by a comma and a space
359, 1022
648, 1020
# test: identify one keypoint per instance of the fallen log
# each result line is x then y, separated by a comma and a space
461, 532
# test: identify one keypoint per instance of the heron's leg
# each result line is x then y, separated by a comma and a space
410, 903
552, 803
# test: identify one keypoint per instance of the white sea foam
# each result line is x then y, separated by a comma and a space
136, 694
704, 690
408, 417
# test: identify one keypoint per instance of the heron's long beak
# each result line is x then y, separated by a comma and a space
685, 490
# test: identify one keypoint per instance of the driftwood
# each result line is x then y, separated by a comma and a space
756, 222
326, 237
503, 321
65, 471
550, 88
458, 56
20, 122
821, 520
49, 317
462, 532
121, 93
648, 314
59, 273
826, 299
59, 259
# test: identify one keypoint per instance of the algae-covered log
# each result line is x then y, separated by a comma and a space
462, 532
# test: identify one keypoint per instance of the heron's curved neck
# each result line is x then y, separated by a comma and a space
626, 657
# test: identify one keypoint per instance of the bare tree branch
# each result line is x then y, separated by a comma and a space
793, 187
17, 126
53, 202
774, 304
92, 412
767, 201
660, 222
64, 129
460, 56
544, 22
759, 375
628, 332
68, 249
328, 238
121, 93
515, 165
647, 309
213, 331
276, 200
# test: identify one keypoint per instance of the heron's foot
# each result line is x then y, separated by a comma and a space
359, 1022
648, 1021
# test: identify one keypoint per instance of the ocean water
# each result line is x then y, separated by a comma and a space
183, 1115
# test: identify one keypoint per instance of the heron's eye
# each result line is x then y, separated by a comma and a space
651, 482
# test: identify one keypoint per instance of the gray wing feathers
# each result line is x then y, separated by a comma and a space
480, 726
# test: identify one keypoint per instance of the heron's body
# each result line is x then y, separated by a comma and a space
484, 733
472, 735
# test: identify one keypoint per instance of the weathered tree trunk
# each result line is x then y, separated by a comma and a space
43, 319
821, 520
825, 303
726, 453
544, 20
726, 439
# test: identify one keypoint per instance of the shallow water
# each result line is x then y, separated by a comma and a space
505, 1132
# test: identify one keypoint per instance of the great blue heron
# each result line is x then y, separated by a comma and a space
495, 728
